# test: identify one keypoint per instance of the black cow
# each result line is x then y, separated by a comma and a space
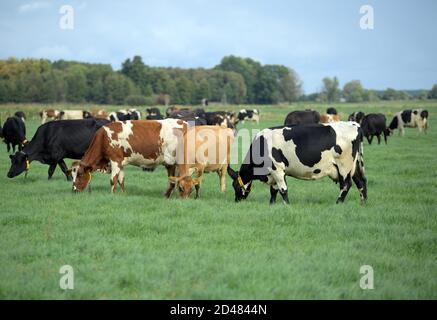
21, 115
153, 114
14, 133
305, 152
331, 110
356, 116
374, 124
197, 116
410, 118
302, 117
54, 141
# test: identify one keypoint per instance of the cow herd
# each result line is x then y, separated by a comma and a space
190, 142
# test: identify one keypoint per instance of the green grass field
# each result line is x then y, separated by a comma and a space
138, 245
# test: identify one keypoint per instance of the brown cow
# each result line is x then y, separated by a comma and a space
204, 149
328, 118
143, 143
49, 115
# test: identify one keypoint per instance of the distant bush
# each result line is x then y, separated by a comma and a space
136, 100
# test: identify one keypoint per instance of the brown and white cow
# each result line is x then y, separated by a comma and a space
142, 143
329, 118
204, 149
49, 115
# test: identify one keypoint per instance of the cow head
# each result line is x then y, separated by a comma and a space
184, 185
241, 190
19, 164
81, 177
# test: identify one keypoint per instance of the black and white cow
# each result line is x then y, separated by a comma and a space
331, 110
249, 115
124, 115
14, 133
153, 114
305, 152
415, 118
302, 117
218, 118
356, 116
54, 141
374, 124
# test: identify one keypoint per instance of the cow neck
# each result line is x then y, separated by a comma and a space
246, 173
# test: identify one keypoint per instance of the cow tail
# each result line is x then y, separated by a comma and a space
361, 151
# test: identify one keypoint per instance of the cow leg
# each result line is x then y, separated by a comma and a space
273, 193
121, 180
171, 170
278, 176
115, 171
64, 169
52, 168
197, 186
361, 183
379, 138
345, 185
370, 139
385, 137
8, 147
222, 175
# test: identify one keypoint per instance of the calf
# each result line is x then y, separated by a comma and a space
328, 118
249, 115
14, 133
409, 118
305, 152
153, 114
54, 141
374, 124
302, 117
204, 149
143, 143
356, 116
49, 115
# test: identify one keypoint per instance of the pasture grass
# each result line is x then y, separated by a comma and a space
139, 245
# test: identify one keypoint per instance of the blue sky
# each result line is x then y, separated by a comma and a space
316, 38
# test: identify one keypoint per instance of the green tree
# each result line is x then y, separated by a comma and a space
330, 90
76, 83
433, 93
353, 91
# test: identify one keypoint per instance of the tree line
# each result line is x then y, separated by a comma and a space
353, 91
234, 80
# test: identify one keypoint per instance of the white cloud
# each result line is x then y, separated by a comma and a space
31, 6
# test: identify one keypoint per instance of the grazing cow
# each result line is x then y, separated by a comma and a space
411, 119
249, 115
54, 141
49, 115
302, 117
305, 152
374, 124
153, 114
356, 116
331, 110
14, 133
74, 115
172, 109
142, 143
21, 115
197, 116
124, 115
205, 149
219, 118
328, 118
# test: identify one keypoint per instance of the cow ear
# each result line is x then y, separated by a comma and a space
233, 174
